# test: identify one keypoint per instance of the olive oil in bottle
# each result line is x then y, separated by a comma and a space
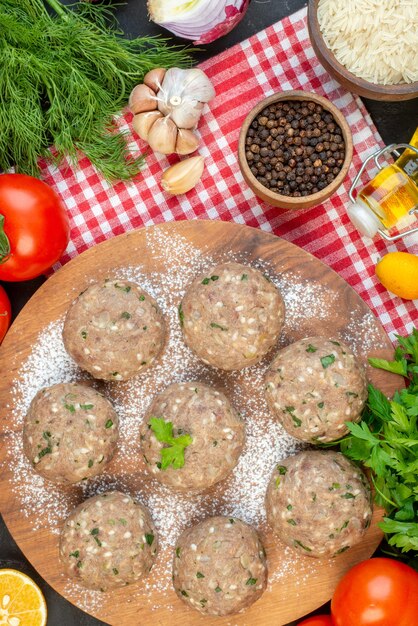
391, 197
391, 194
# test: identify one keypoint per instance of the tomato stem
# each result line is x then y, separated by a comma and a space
4, 242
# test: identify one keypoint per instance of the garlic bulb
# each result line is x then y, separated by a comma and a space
167, 107
183, 94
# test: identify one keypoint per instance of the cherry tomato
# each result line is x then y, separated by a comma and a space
34, 227
317, 620
377, 592
5, 313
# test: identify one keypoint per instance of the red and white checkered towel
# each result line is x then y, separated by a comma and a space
276, 59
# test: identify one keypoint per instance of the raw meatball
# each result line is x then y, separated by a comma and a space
216, 430
70, 432
314, 386
319, 503
109, 541
114, 330
231, 316
219, 566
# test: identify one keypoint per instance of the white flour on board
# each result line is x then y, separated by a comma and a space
47, 505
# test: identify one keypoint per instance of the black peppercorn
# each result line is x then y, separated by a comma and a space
295, 148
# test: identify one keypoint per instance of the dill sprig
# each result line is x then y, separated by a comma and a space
63, 78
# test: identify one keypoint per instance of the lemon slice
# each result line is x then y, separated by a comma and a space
21, 601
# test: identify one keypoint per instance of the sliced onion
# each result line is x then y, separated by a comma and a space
202, 21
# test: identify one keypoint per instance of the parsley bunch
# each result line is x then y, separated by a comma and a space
386, 441
173, 453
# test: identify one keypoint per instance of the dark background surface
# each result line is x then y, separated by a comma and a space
396, 122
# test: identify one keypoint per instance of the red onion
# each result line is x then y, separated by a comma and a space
202, 21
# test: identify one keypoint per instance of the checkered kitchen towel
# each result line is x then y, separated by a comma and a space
276, 59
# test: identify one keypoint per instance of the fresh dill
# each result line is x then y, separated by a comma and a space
63, 79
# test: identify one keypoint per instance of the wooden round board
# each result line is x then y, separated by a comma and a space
318, 301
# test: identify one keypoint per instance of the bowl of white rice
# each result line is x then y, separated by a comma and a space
369, 46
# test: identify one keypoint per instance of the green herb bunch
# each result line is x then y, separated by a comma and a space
63, 77
386, 441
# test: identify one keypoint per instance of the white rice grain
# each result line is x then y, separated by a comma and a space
376, 40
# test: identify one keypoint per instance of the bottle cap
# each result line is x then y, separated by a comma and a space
363, 219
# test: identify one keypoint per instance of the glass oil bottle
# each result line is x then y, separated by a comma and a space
390, 198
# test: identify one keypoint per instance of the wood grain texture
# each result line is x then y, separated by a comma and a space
300, 584
351, 82
288, 202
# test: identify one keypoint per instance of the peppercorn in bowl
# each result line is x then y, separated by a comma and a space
295, 149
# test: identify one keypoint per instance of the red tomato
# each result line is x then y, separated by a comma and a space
377, 592
317, 620
5, 313
34, 227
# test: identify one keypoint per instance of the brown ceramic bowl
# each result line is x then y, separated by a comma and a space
288, 202
403, 91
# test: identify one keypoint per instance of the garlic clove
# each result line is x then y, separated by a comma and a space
187, 141
188, 114
162, 136
154, 78
184, 176
142, 99
142, 122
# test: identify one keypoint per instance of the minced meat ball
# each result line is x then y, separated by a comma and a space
319, 503
114, 330
70, 432
314, 386
109, 541
231, 316
219, 566
215, 429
